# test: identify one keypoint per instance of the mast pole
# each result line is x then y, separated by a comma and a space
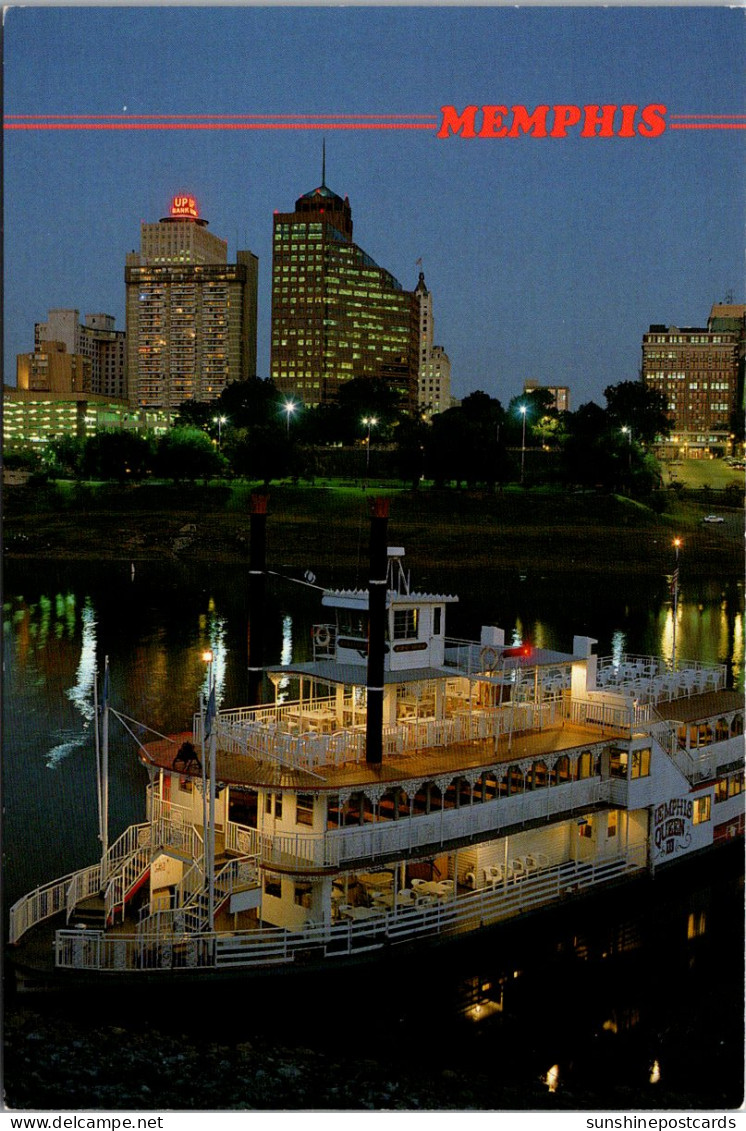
257, 577
376, 631
97, 744
211, 862
105, 766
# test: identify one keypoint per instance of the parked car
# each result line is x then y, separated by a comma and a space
713, 518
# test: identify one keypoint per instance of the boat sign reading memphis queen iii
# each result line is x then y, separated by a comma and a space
560, 121
184, 206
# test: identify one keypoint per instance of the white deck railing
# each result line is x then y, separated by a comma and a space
649, 679
91, 950
375, 839
38, 905
315, 751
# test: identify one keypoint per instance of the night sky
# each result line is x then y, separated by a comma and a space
546, 258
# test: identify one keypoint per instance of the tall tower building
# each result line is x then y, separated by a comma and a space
434, 372
336, 315
191, 315
96, 339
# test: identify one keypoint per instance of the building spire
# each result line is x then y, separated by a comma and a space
323, 162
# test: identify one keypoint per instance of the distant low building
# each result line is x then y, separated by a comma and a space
53, 398
560, 393
35, 418
51, 369
97, 340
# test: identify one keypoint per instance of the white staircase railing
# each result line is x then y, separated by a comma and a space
166, 950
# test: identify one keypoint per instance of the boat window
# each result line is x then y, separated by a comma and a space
242, 807
611, 823
304, 809
405, 624
701, 812
588, 764
618, 758
736, 727
563, 770
585, 829
333, 814
538, 776
273, 885
641, 763
302, 895
516, 783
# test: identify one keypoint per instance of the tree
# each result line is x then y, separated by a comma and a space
116, 454
262, 452
467, 443
188, 454
194, 414
631, 404
411, 438
248, 403
65, 455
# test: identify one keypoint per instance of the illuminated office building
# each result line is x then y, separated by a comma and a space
336, 315
699, 371
191, 315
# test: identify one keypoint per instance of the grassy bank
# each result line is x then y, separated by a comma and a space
327, 525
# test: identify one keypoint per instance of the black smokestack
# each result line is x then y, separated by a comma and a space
376, 630
257, 576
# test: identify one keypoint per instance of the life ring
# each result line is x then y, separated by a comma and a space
488, 656
322, 636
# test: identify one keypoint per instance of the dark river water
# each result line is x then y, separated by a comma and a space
627, 998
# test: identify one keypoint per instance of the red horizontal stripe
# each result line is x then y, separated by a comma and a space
709, 117
46, 125
708, 126
211, 117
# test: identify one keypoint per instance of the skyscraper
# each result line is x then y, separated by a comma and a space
191, 315
336, 315
434, 372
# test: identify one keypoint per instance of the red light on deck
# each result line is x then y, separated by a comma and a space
519, 650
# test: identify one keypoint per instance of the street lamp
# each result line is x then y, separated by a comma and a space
626, 429
289, 408
220, 421
370, 421
523, 410
675, 591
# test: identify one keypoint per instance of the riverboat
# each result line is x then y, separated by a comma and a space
403, 788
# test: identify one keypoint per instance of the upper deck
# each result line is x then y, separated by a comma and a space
397, 768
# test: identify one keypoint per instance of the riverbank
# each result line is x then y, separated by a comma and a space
324, 526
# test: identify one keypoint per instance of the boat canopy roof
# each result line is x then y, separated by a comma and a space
328, 671
358, 599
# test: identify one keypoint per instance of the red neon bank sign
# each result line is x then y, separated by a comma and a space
184, 206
